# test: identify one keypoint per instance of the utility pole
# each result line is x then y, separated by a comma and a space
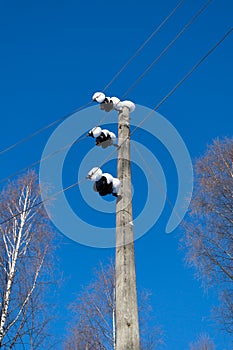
127, 328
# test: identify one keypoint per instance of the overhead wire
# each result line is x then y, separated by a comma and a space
172, 42
187, 75
143, 45
138, 126
41, 202
39, 131
183, 30
27, 138
42, 159
156, 181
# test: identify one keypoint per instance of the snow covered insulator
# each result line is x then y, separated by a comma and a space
115, 101
98, 97
95, 174
104, 183
109, 134
107, 99
115, 183
128, 104
107, 104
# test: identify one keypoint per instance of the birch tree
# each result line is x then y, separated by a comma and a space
93, 325
25, 241
209, 227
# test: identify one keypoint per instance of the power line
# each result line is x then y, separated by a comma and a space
42, 129
30, 136
138, 126
168, 47
183, 79
156, 181
41, 202
157, 59
143, 45
42, 159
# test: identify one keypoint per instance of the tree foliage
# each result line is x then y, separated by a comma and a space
25, 241
209, 228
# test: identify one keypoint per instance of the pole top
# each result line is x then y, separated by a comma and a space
128, 104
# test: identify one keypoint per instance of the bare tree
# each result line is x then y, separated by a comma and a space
209, 228
25, 240
203, 343
94, 314
93, 326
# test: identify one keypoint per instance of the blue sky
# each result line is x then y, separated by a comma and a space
54, 56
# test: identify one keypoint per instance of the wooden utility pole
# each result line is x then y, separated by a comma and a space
127, 329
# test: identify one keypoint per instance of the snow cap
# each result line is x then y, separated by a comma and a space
96, 131
112, 135
95, 174
98, 97
128, 104
116, 185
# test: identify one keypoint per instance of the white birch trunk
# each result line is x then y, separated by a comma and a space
16, 238
12, 267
